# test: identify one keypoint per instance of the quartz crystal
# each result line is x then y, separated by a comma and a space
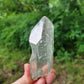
42, 41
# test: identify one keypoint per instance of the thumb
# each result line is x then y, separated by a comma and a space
27, 74
27, 70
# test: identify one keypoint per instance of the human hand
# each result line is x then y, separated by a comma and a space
26, 78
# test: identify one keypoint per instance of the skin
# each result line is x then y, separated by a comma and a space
26, 78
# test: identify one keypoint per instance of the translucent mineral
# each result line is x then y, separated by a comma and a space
42, 41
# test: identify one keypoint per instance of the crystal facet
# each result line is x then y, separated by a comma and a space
42, 42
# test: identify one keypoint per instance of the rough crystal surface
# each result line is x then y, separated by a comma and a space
42, 42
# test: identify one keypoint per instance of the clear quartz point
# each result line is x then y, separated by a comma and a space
42, 41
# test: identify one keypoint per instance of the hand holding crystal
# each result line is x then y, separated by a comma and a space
26, 78
42, 42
